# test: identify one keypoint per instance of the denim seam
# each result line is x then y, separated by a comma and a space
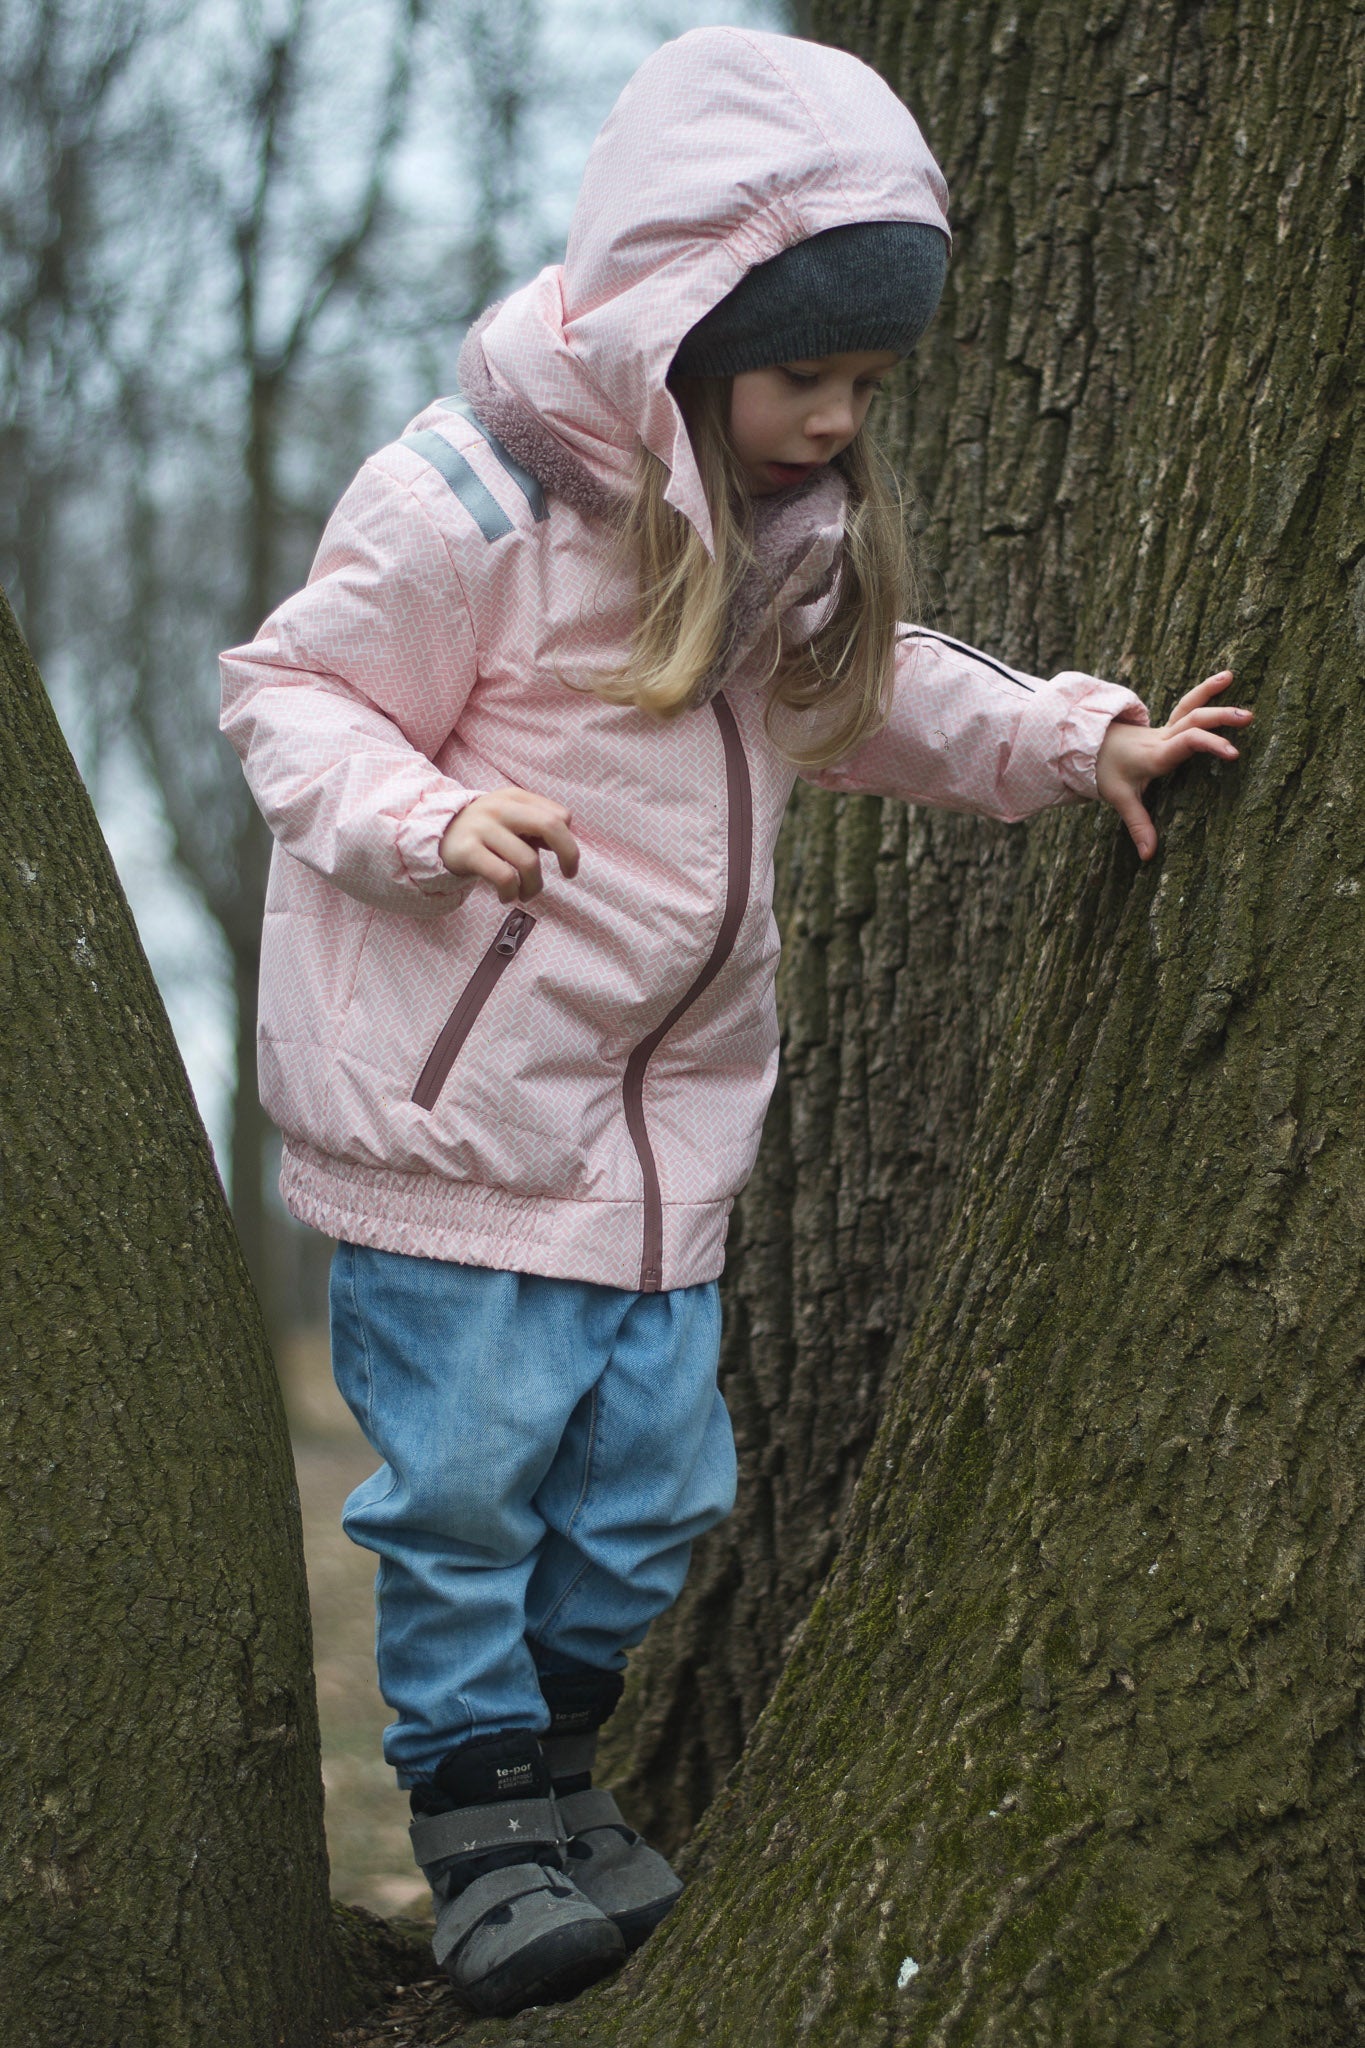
576, 1581
587, 1463
379, 1613
553, 1613
364, 1346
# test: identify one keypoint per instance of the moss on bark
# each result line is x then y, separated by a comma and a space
1068, 1750
164, 1881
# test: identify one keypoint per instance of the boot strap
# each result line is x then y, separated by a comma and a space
594, 1808
528, 1824
458, 1918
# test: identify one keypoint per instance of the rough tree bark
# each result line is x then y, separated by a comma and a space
163, 1878
894, 932
1068, 1751
894, 927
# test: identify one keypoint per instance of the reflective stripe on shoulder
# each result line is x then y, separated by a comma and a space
522, 478
471, 491
925, 633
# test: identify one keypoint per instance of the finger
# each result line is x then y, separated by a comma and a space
1141, 830
562, 844
543, 824
1214, 715
1201, 693
488, 868
514, 850
1192, 739
540, 823
524, 810
1207, 721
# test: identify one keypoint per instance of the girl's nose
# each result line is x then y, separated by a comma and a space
832, 421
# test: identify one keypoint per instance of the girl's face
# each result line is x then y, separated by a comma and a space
789, 420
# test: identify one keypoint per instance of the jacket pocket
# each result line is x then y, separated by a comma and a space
513, 933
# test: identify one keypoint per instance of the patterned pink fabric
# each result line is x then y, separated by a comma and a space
423, 663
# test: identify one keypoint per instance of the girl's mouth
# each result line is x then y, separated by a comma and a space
785, 474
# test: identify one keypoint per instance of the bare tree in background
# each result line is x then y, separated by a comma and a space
500, 44
61, 133
226, 288
246, 307
272, 372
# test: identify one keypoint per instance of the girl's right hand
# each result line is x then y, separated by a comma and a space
499, 838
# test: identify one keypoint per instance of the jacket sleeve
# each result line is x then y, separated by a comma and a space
341, 703
968, 734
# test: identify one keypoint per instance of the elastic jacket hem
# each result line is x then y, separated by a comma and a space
427, 1216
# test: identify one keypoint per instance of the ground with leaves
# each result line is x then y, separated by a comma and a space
427, 2013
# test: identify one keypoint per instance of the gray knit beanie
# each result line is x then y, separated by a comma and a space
871, 286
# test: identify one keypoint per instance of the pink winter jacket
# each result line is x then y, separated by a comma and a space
576, 1087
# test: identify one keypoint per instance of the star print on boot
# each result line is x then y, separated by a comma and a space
512, 1929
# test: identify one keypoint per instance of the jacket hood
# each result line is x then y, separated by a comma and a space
726, 147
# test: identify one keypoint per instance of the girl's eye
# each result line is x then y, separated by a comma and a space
803, 379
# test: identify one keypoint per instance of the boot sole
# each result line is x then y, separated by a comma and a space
556, 1966
638, 1924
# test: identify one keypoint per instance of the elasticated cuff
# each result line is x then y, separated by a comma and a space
419, 842
1085, 726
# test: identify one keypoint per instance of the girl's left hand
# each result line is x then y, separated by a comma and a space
1131, 756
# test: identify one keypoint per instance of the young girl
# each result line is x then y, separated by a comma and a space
605, 608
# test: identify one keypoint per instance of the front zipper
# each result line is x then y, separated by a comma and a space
513, 933
739, 847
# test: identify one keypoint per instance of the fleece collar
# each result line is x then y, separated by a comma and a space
524, 434
797, 533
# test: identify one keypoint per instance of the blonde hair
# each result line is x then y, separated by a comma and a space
838, 683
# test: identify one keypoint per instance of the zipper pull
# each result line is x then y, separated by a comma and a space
514, 930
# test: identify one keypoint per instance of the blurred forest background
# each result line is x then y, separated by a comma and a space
240, 244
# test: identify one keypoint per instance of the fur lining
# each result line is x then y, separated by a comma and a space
525, 435
798, 534
797, 538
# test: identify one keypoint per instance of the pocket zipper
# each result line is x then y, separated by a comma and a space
513, 933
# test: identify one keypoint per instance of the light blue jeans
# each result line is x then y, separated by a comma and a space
551, 1450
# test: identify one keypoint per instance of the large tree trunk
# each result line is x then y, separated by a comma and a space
251, 1147
895, 927
894, 931
1068, 1751
164, 1876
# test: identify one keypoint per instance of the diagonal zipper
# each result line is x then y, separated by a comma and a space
513, 933
739, 846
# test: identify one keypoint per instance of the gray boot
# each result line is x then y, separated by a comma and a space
512, 1929
609, 1863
